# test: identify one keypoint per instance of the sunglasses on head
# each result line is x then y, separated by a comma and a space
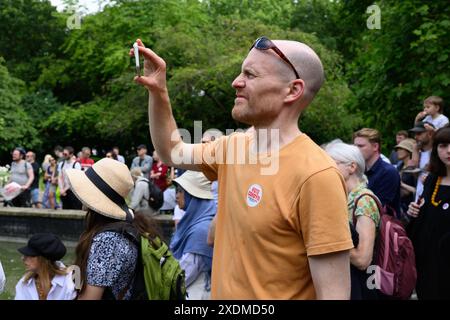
264, 43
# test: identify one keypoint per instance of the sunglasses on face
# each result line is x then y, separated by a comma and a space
263, 43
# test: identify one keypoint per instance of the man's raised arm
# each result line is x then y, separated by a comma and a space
163, 128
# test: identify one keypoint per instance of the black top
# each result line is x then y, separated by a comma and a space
430, 233
384, 181
410, 179
36, 168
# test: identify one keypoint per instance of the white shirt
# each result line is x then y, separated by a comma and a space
169, 199
63, 181
62, 288
424, 159
120, 158
2, 278
385, 159
438, 123
178, 213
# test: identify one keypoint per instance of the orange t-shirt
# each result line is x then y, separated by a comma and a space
268, 225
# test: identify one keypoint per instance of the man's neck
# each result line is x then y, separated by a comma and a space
274, 138
426, 147
18, 161
371, 161
143, 156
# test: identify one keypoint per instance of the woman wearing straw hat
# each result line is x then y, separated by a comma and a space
408, 178
46, 278
107, 259
189, 243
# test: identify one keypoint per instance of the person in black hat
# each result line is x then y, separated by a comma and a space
423, 134
143, 161
21, 173
46, 278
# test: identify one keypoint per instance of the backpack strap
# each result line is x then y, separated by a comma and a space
377, 201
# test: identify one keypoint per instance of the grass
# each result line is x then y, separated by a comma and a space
12, 265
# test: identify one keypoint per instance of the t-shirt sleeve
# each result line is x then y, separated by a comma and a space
367, 206
323, 213
210, 155
111, 256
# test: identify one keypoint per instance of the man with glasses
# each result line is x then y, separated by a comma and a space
34, 188
68, 199
279, 234
142, 161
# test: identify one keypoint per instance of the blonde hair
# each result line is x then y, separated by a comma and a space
48, 269
47, 158
136, 172
437, 101
373, 135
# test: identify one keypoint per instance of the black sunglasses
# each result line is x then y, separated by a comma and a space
264, 43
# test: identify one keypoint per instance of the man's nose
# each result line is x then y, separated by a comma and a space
238, 82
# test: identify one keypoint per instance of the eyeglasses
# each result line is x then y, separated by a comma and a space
264, 43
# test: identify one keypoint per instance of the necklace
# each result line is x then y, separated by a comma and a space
436, 188
40, 291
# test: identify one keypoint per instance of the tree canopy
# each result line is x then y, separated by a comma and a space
74, 86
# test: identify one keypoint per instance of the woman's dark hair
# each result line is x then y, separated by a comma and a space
95, 222
436, 166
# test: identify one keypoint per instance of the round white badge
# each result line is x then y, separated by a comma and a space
445, 206
254, 195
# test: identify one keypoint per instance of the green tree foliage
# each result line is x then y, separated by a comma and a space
30, 35
401, 64
16, 126
203, 43
79, 88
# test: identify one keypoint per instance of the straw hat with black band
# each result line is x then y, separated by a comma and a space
103, 188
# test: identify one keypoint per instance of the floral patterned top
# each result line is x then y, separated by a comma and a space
366, 205
112, 262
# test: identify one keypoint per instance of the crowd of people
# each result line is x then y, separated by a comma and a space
307, 231
26, 172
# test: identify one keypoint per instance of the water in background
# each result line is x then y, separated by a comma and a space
12, 265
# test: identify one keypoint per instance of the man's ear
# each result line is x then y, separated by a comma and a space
378, 147
296, 91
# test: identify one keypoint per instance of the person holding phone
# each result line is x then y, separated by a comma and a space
282, 230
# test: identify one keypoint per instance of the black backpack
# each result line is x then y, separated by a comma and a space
156, 196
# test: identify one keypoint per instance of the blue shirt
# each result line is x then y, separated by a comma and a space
384, 181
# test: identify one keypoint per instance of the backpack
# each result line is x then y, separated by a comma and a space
158, 275
156, 196
395, 273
